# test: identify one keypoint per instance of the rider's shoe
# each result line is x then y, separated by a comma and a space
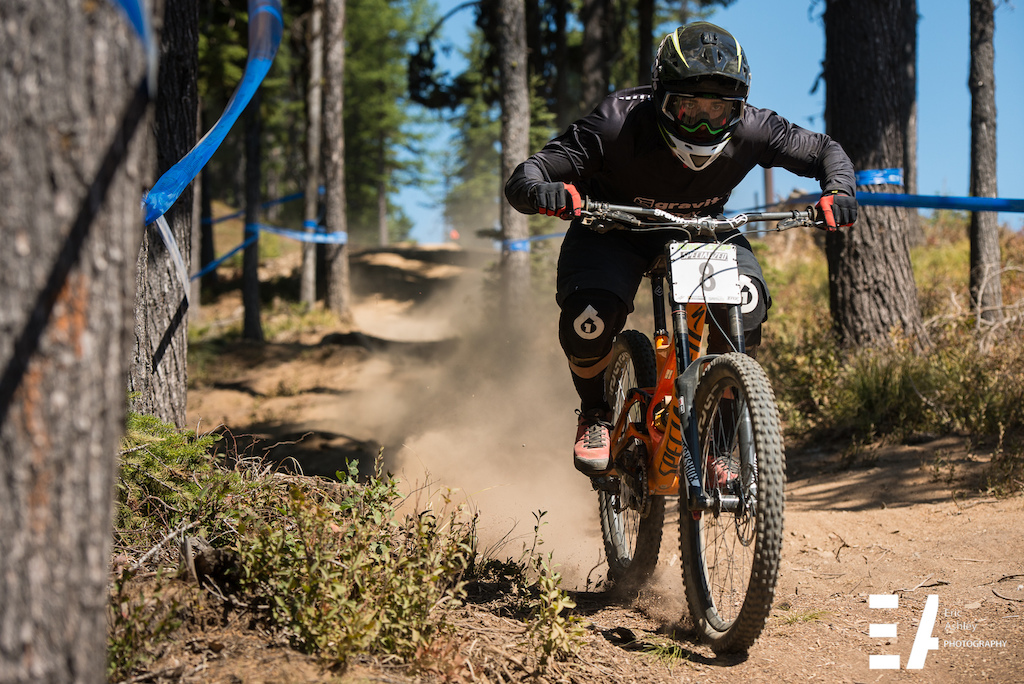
591, 453
721, 471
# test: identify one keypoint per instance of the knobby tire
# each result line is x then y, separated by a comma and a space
731, 560
631, 542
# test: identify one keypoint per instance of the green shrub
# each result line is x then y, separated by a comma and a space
339, 574
329, 565
161, 476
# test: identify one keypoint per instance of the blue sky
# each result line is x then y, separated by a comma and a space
784, 41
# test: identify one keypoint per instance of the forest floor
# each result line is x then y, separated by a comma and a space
458, 408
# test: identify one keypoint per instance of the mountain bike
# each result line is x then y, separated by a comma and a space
698, 426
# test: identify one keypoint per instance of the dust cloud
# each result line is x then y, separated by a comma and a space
486, 420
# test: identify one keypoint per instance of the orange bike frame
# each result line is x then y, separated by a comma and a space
661, 433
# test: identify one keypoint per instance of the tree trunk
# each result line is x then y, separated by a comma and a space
207, 248
196, 247
515, 144
645, 10
382, 210
314, 108
159, 374
871, 282
72, 180
252, 328
915, 227
595, 67
382, 194
986, 288
338, 287
566, 106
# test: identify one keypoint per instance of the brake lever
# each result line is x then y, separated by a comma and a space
807, 219
606, 222
621, 217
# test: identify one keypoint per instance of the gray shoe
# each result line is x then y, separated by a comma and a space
591, 453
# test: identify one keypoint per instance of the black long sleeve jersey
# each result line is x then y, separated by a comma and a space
617, 154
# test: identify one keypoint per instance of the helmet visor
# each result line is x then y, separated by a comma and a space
699, 118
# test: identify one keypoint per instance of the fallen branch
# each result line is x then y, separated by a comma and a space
924, 583
170, 536
1007, 598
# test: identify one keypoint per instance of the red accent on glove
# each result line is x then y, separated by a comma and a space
558, 199
577, 203
837, 210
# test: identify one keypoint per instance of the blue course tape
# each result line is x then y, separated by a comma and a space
253, 231
338, 238
880, 177
886, 199
176, 258
268, 203
524, 245
220, 260
265, 27
895, 199
139, 19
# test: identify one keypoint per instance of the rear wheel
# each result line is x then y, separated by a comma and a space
631, 519
731, 559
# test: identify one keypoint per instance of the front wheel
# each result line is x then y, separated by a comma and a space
731, 557
632, 535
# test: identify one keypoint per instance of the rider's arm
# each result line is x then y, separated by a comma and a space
526, 178
803, 152
570, 158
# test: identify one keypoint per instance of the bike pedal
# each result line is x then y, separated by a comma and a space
605, 483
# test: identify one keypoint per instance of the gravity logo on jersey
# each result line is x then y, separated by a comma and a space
749, 296
684, 209
588, 324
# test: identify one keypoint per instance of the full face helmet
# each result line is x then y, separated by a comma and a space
701, 80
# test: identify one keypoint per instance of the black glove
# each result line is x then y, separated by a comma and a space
557, 199
837, 210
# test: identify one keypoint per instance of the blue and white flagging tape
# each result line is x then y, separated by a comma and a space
524, 245
880, 177
265, 27
313, 233
138, 16
892, 199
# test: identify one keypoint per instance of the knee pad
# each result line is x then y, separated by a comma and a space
589, 321
753, 304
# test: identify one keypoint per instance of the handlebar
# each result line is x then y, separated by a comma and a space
596, 214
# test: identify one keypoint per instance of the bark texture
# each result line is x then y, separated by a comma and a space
339, 290
159, 374
985, 285
73, 176
515, 144
867, 106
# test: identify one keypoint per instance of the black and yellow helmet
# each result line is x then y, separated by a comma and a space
700, 79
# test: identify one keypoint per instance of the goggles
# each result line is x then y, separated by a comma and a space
700, 118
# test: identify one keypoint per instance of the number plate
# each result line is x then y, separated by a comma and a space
704, 272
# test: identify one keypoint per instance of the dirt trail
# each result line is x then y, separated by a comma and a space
456, 406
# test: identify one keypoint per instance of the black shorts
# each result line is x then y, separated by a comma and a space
617, 260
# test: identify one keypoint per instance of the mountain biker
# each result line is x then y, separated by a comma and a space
681, 144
